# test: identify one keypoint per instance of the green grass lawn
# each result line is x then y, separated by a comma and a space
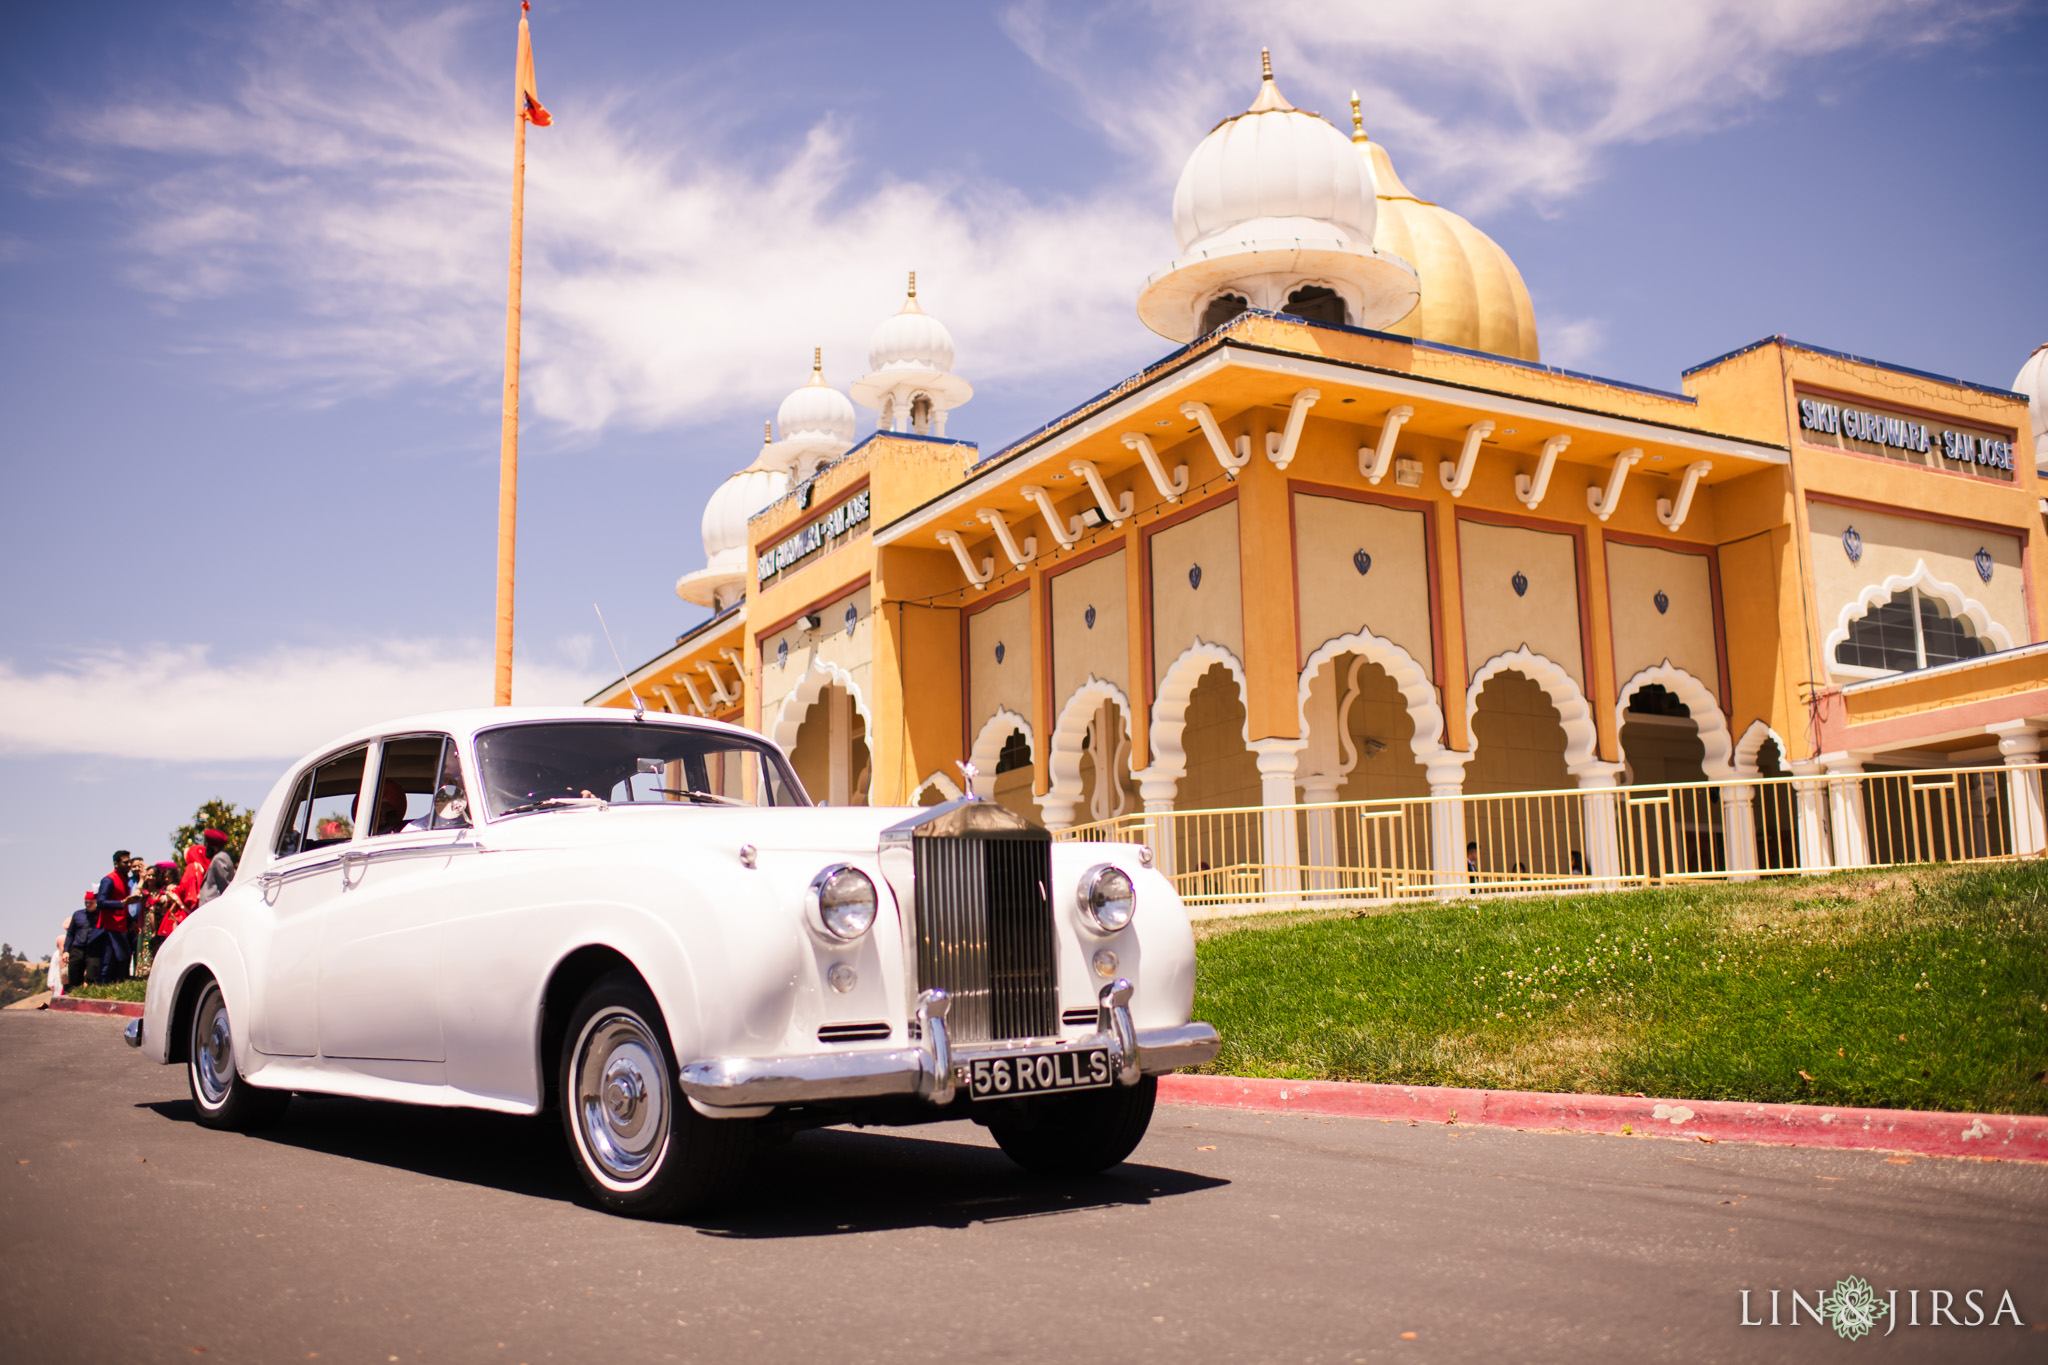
1923, 988
131, 990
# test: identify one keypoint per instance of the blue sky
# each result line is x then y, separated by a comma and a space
252, 272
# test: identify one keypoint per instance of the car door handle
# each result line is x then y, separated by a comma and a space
270, 883
352, 865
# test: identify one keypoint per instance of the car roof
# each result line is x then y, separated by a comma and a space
467, 722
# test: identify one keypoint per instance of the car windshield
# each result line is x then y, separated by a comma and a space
573, 763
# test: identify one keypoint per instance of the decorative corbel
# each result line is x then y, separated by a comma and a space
1206, 419
1603, 505
1456, 476
1170, 489
739, 667
1672, 514
988, 566
718, 691
1375, 468
1053, 521
690, 684
1017, 557
668, 698
1115, 511
1530, 491
1280, 447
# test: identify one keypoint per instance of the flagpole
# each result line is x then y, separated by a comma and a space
508, 436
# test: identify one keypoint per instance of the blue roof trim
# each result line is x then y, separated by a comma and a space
1994, 390
1138, 380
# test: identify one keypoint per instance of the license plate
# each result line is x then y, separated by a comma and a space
1042, 1073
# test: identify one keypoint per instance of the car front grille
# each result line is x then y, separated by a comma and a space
985, 933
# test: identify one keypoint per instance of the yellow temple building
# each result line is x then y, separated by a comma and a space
1352, 597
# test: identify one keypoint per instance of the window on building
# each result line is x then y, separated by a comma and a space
1222, 309
1910, 631
1016, 752
1318, 304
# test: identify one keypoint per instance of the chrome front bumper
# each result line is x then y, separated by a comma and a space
935, 1069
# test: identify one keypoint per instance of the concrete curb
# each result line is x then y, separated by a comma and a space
2003, 1136
73, 1004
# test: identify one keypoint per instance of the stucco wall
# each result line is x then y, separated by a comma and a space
1892, 548
1078, 649
1380, 713
1004, 683
832, 644
1545, 618
1184, 610
1683, 634
1390, 599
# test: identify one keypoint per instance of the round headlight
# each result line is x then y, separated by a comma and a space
842, 903
1108, 900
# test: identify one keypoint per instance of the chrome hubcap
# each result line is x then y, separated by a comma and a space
213, 1049
622, 1096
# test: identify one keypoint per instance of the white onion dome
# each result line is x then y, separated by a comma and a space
2033, 382
911, 340
817, 410
1273, 171
1272, 203
721, 581
910, 356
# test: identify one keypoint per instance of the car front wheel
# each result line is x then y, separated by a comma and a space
640, 1147
221, 1098
1077, 1134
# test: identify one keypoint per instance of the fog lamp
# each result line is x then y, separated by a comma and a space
1105, 963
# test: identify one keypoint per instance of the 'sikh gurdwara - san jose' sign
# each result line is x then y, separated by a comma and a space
1897, 433
814, 537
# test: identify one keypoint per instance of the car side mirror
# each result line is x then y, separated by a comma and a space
450, 805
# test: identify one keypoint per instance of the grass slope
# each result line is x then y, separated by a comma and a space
1921, 989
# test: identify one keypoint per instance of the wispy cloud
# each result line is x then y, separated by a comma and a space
178, 704
1496, 102
666, 277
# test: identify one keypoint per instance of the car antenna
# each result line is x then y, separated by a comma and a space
639, 707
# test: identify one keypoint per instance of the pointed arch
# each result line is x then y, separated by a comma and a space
1170, 707
1960, 605
821, 674
1063, 756
1747, 749
1413, 683
988, 748
1574, 713
1715, 739
935, 780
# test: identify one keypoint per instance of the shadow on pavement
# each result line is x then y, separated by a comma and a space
820, 1184
838, 1180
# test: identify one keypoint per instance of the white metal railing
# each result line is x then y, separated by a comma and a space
1601, 838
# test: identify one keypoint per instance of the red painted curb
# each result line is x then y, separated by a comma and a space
75, 1004
2005, 1136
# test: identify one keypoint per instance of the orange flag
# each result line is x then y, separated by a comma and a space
530, 107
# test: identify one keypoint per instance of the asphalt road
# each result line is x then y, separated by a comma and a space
381, 1233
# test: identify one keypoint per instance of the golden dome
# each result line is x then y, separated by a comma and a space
1472, 295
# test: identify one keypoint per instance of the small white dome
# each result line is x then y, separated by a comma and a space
2033, 382
1273, 171
731, 507
817, 409
911, 340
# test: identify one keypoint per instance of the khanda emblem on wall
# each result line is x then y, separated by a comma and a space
1852, 544
1195, 576
1088, 617
999, 651
1982, 559
1663, 602
1361, 561
1520, 583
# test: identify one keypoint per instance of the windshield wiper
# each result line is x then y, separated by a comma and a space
701, 797
559, 803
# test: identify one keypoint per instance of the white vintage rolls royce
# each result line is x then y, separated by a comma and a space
642, 921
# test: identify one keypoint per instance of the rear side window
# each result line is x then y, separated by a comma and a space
323, 805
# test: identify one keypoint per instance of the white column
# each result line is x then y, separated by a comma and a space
1446, 770
1280, 845
1810, 801
1738, 831
2020, 746
1845, 809
1157, 788
1321, 790
839, 745
1600, 815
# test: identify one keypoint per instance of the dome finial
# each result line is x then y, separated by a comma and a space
768, 432
1357, 121
913, 284
817, 360
1265, 64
